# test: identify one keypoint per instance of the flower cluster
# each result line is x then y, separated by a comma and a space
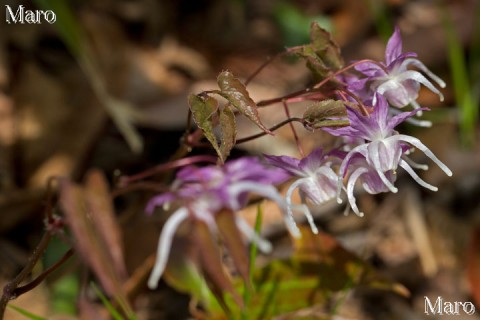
373, 149
392, 79
205, 191
371, 154
317, 180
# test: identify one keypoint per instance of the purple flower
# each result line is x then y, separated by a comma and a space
205, 191
399, 85
383, 150
316, 179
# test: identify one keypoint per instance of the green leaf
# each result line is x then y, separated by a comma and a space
236, 93
326, 113
228, 132
248, 290
183, 272
64, 293
65, 23
322, 54
318, 269
26, 313
108, 305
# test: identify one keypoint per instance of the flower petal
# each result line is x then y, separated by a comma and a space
394, 46
163, 199
350, 187
419, 145
165, 244
312, 162
286, 163
415, 177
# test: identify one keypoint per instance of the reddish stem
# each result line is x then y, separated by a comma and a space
318, 85
297, 140
167, 166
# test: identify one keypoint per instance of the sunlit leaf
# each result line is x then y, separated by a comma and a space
326, 113
343, 266
318, 269
236, 93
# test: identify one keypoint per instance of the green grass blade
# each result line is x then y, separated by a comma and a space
26, 313
111, 309
70, 30
474, 63
461, 83
382, 18
248, 291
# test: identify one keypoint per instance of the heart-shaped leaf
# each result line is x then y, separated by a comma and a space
322, 54
203, 109
324, 46
209, 118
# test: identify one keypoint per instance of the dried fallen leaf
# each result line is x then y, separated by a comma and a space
91, 246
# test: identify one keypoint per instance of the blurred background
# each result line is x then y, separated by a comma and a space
106, 87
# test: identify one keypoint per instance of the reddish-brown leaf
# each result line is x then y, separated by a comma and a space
228, 131
87, 244
209, 255
233, 240
103, 217
236, 93
87, 241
